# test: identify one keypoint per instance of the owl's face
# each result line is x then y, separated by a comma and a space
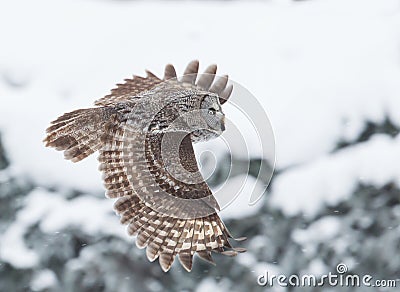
212, 119
192, 110
212, 113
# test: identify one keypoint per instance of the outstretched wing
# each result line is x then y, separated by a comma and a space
169, 215
132, 88
172, 211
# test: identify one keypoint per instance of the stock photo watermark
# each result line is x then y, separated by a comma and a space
196, 116
341, 278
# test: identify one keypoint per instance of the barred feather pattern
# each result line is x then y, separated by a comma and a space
129, 90
134, 87
79, 133
163, 236
135, 175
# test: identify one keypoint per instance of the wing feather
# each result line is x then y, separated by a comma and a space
157, 240
169, 72
190, 74
220, 84
147, 229
207, 78
124, 161
166, 235
133, 87
130, 89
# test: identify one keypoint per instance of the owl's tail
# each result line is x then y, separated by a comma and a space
166, 237
79, 133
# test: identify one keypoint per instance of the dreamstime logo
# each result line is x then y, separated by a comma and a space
162, 137
338, 279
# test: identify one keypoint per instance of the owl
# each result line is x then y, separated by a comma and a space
144, 132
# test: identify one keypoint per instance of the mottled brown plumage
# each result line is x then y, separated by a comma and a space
144, 132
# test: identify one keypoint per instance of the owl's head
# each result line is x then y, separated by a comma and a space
208, 121
191, 103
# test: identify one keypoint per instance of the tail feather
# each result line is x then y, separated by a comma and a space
79, 133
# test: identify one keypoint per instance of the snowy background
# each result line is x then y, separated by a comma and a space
327, 73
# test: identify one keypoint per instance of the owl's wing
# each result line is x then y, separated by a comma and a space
131, 88
169, 216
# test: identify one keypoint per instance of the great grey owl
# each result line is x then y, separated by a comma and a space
144, 132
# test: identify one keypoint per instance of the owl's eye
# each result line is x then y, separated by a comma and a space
211, 111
